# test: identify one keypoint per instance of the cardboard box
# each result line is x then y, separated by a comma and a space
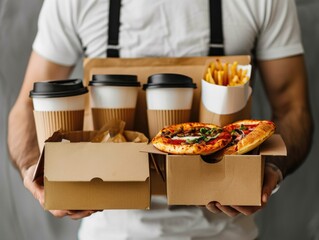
82, 175
193, 67
235, 180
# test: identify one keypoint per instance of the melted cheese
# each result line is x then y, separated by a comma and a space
186, 138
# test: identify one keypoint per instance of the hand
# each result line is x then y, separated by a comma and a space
37, 190
271, 179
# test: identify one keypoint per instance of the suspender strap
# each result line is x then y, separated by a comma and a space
216, 47
113, 48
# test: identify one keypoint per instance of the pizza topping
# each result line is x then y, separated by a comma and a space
247, 135
205, 139
222, 135
191, 135
237, 135
240, 132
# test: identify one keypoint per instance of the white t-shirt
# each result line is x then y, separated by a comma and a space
172, 28
69, 29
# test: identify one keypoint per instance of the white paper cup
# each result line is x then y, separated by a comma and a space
169, 100
169, 91
58, 105
113, 97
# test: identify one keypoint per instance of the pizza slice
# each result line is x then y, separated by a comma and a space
246, 136
191, 138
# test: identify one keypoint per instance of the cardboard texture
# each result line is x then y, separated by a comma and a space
157, 119
235, 180
100, 116
82, 175
49, 122
193, 67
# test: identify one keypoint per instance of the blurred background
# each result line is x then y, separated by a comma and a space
292, 213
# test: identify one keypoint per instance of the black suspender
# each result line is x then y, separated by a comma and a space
112, 49
216, 46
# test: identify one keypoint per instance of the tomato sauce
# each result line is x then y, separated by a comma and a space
175, 141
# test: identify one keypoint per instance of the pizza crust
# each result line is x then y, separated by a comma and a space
258, 132
165, 143
263, 130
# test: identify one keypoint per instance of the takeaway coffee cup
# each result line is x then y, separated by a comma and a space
113, 97
58, 105
169, 98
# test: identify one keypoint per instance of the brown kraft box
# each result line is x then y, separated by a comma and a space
193, 67
235, 180
81, 175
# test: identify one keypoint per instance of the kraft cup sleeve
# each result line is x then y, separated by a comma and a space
157, 119
48, 122
101, 116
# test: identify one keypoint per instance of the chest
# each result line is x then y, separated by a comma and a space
165, 28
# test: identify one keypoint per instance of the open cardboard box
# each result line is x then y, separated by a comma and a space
193, 67
235, 180
82, 175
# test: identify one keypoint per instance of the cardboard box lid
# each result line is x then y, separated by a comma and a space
273, 146
85, 161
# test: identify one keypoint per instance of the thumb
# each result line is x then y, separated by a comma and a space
270, 182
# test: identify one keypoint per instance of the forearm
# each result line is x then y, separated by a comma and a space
22, 140
296, 128
286, 85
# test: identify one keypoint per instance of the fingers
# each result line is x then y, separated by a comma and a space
216, 207
228, 210
232, 211
271, 178
36, 189
247, 210
212, 207
73, 214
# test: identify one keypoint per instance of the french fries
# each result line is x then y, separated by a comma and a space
226, 74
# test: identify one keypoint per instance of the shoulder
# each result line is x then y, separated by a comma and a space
67, 11
260, 11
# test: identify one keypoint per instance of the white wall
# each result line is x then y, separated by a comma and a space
293, 212
21, 217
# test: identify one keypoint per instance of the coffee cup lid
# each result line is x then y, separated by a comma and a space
58, 88
120, 80
169, 80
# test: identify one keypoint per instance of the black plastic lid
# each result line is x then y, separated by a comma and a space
58, 88
169, 80
120, 80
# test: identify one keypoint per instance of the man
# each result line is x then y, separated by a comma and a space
268, 28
